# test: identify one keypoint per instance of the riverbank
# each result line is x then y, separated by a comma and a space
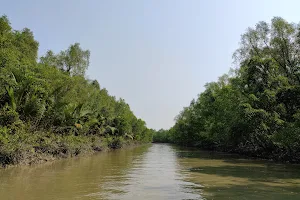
254, 109
278, 155
40, 147
49, 109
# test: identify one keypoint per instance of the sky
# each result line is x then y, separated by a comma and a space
156, 54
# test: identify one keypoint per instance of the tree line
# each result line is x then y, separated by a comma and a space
49, 109
254, 109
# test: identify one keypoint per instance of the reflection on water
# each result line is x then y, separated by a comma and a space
153, 175
155, 172
226, 176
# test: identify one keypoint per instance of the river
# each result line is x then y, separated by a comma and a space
154, 172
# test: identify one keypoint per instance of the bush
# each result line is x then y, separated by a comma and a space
8, 115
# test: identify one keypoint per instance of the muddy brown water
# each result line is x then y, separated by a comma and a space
152, 172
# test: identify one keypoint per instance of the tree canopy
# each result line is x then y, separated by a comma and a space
256, 109
74, 60
47, 106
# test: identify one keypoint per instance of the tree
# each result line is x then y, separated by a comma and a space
255, 111
50, 108
50, 59
74, 60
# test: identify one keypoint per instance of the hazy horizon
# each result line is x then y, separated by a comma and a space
157, 55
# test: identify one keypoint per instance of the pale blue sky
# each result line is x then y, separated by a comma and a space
156, 54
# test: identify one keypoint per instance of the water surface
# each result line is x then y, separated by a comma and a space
153, 172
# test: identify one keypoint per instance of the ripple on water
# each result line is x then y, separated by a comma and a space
152, 172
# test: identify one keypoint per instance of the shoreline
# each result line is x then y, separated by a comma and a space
30, 158
241, 155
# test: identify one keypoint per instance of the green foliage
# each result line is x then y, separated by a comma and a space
74, 60
114, 142
49, 107
256, 109
8, 115
161, 136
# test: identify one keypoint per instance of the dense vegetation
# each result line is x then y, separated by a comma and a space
49, 109
162, 136
254, 110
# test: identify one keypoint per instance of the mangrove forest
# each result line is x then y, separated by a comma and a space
254, 109
48, 109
